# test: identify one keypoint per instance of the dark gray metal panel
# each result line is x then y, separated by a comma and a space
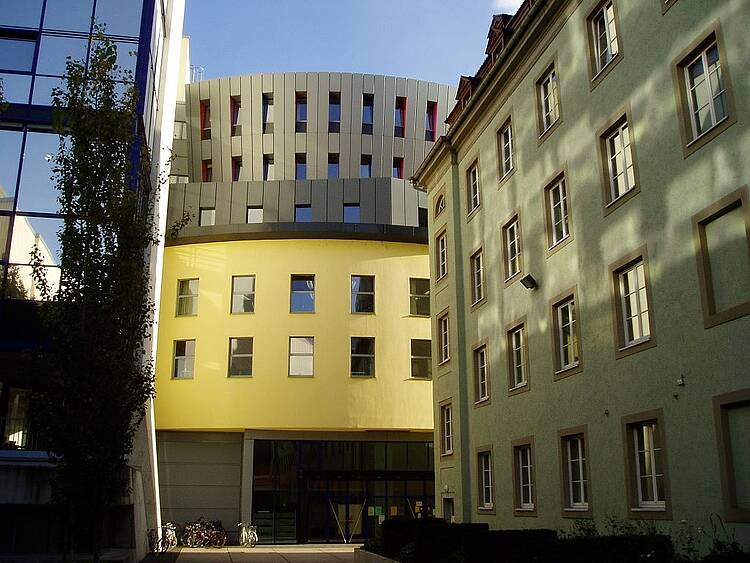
278, 103
345, 157
368, 84
383, 201
270, 202
379, 166
367, 208
208, 194
397, 202
175, 203
366, 148
410, 200
322, 107
192, 199
254, 195
346, 103
256, 101
302, 192
445, 103
409, 157
334, 81
289, 105
257, 157
314, 101
413, 111
351, 190
319, 200
193, 107
290, 146
286, 201
401, 87
223, 202
389, 106
322, 160
335, 200
238, 212
419, 123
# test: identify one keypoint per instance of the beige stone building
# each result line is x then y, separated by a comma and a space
590, 245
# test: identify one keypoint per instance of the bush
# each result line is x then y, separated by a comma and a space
727, 557
616, 549
510, 546
436, 543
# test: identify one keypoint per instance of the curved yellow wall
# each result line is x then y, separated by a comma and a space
331, 399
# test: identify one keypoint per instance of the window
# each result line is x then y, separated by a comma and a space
207, 217
486, 485
646, 462
441, 249
333, 165
254, 214
368, 113
603, 36
303, 294
443, 339
187, 297
300, 166
240, 357
523, 476
422, 217
268, 113
235, 107
632, 297
477, 277
722, 240
301, 355
268, 167
706, 90
243, 294
505, 149
300, 112
472, 183
421, 359
566, 334
481, 381
352, 213
619, 164
419, 297
363, 356
446, 429
207, 171
236, 169
440, 205
17, 48
732, 418
512, 248
575, 472
517, 357
558, 226
430, 121
365, 166
302, 213
184, 359
399, 118
398, 167
334, 112
549, 102
205, 117
363, 294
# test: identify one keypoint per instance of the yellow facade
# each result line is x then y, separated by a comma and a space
331, 399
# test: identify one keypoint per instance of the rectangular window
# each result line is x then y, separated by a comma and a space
732, 418
704, 80
303, 294
512, 248
300, 166
517, 357
268, 173
333, 165
647, 465
334, 112
363, 294
565, 321
368, 113
17, 48
421, 359
240, 357
300, 112
441, 249
268, 113
363, 356
443, 339
399, 118
207, 171
486, 485
481, 381
633, 304
477, 277
184, 359
243, 294
419, 297
254, 214
619, 165
446, 429
352, 213
430, 122
236, 169
365, 166
505, 149
398, 167
205, 117
557, 212
207, 217
301, 355
472, 183
302, 213
603, 36
187, 297
575, 472
235, 108
523, 474
549, 102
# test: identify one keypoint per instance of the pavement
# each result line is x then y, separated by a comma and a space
308, 553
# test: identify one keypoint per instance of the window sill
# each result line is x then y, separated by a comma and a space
477, 304
443, 362
301, 312
649, 509
242, 312
518, 389
173, 378
525, 512
482, 402
183, 316
412, 378
449, 453
300, 376
486, 509
353, 376
363, 312
707, 136
544, 135
412, 315
621, 199
635, 347
568, 371
651, 513
508, 281
471, 214
239, 376
604, 71
505, 177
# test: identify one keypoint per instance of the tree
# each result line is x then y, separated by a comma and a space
99, 372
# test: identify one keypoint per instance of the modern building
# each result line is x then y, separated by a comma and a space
590, 234
293, 370
36, 36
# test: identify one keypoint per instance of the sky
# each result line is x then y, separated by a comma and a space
435, 40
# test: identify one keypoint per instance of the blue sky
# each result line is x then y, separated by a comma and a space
435, 40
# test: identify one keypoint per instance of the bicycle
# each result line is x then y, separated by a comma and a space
248, 534
167, 541
202, 533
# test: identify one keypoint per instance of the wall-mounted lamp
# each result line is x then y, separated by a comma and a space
529, 282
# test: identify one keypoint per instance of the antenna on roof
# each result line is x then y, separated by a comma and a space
197, 73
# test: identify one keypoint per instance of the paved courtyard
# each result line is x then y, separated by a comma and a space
262, 554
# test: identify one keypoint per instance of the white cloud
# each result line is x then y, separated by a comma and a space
505, 6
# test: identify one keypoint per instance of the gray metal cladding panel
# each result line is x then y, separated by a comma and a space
223, 203
379, 101
379, 161
401, 86
286, 201
238, 211
368, 84
175, 203
289, 102
235, 88
197, 447
345, 157
366, 148
256, 115
335, 198
322, 107
355, 101
351, 190
367, 200
204, 496
383, 200
267, 85
389, 106
411, 215
314, 101
279, 100
408, 157
421, 199
346, 102
320, 200
192, 199
208, 472
254, 193
302, 192
397, 202
420, 121
414, 110
285, 170
334, 79
322, 160
355, 156
270, 202
208, 194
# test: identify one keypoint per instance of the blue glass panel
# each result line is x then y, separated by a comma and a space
69, 15
16, 87
303, 303
303, 214
10, 156
25, 13
54, 51
43, 87
41, 232
121, 17
16, 54
351, 214
37, 191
